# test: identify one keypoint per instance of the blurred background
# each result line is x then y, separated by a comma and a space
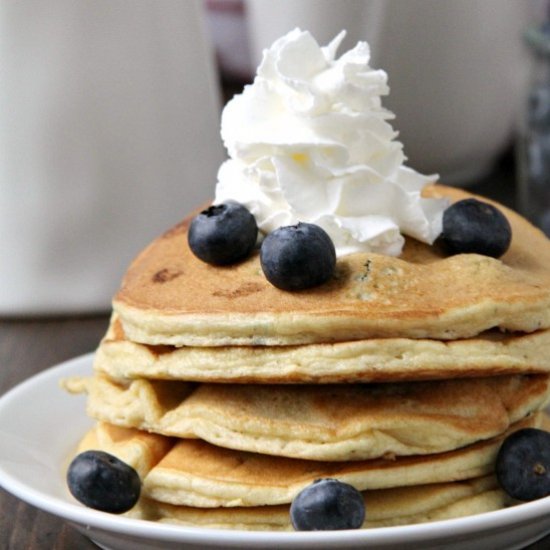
109, 117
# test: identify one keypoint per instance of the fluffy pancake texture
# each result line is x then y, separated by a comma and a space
387, 507
170, 297
140, 450
196, 474
322, 422
373, 360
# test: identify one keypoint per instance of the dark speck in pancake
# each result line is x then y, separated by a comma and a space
166, 275
243, 290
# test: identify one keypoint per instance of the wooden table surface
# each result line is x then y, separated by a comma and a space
31, 345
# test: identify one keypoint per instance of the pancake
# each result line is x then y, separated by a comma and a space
141, 450
196, 474
385, 507
374, 360
169, 297
328, 422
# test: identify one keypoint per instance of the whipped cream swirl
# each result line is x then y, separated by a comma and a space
309, 141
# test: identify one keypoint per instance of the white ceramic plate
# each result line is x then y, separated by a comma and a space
40, 425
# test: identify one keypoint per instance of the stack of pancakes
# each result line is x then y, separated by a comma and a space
401, 376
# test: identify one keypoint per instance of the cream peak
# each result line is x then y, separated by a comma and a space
310, 141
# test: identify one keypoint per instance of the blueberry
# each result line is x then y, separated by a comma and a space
474, 226
327, 504
299, 256
223, 234
523, 464
103, 482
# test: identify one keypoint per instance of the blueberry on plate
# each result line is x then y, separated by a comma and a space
523, 464
327, 504
297, 257
223, 234
472, 226
101, 481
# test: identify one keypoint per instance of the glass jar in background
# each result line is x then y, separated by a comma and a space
534, 139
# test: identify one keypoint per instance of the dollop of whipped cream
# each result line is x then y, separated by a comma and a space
309, 141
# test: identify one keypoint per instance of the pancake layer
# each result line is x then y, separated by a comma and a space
386, 507
329, 422
374, 360
394, 506
197, 474
170, 297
